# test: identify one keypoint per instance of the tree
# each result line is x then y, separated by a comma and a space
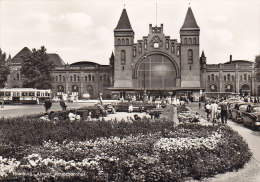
37, 69
257, 65
4, 69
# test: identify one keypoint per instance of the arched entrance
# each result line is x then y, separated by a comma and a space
60, 89
213, 88
156, 71
90, 90
229, 88
245, 90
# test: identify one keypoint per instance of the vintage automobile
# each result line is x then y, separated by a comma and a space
95, 111
236, 111
251, 117
137, 106
231, 106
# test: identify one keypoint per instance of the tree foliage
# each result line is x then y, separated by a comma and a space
4, 69
37, 70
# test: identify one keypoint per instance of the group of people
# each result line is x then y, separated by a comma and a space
216, 111
48, 104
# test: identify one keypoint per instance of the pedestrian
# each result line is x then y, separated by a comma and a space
63, 104
47, 104
223, 113
199, 105
2, 102
37, 101
214, 111
207, 109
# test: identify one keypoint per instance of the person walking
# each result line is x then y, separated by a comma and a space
47, 105
63, 104
223, 113
207, 109
214, 111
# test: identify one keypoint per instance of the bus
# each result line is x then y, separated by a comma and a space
24, 95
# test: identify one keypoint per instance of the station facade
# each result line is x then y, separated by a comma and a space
155, 65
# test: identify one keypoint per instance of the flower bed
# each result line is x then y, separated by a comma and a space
143, 150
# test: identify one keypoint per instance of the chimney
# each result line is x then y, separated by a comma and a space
230, 58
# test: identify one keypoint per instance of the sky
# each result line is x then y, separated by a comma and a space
82, 30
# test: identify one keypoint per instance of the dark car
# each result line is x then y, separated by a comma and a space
231, 105
236, 111
251, 117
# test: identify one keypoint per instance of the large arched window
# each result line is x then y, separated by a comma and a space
156, 71
75, 88
90, 90
213, 88
190, 56
229, 88
60, 88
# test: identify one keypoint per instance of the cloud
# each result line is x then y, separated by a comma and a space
219, 19
220, 37
79, 23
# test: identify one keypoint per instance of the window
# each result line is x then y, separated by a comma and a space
225, 78
212, 77
140, 48
100, 78
172, 47
78, 78
167, 44
178, 51
123, 41
71, 78
241, 78
245, 77
208, 77
57, 78
249, 78
118, 42
60, 88
93, 78
75, 88
90, 90
123, 57
127, 41
104, 77
190, 56
64, 79
216, 77
145, 44
60, 78
134, 51
228, 77
233, 78
185, 41
194, 40
190, 41
89, 77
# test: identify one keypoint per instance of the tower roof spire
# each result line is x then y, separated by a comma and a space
124, 23
190, 22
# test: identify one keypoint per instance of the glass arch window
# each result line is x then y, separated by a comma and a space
75, 88
156, 71
213, 88
60, 88
229, 88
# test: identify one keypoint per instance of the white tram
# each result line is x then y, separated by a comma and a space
24, 95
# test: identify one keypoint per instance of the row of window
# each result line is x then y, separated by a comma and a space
122, 41
190, 41
229, 77
75, 88
77, 78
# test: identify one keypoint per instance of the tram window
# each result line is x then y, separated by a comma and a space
31, 93
38, 94
47, 94
7, 93
24, 94
2, 94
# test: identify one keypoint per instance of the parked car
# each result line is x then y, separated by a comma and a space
231, 106
251, 117
236, 111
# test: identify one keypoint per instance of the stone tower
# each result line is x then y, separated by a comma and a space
123, 41
203, 63
189, 52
